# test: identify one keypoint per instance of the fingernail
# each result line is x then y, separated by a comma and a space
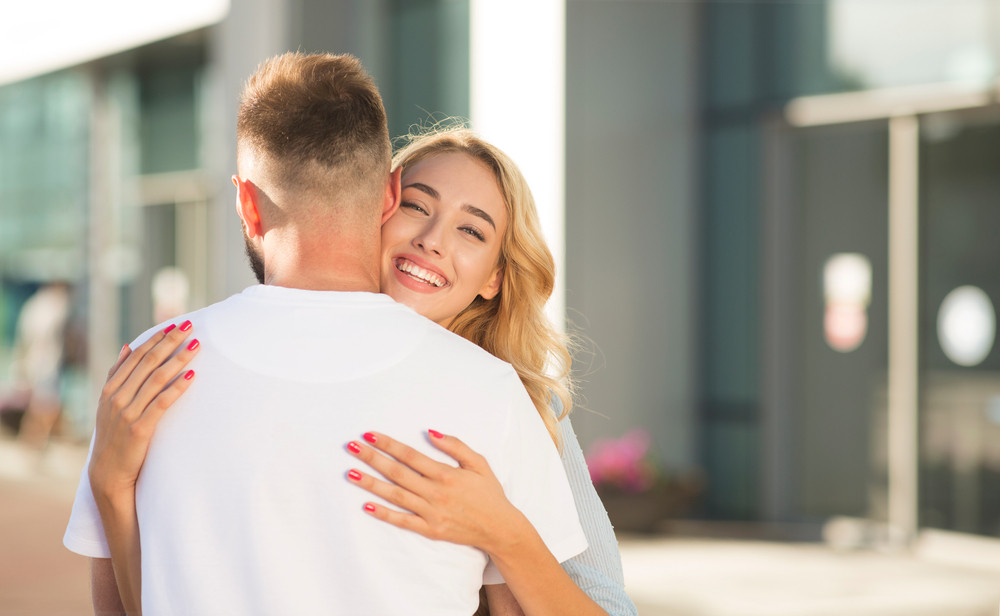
369, 507
435, 434
186, 325
189, 375
370, 437
169, 329
122, 352
354, 475
354, 447
194, 345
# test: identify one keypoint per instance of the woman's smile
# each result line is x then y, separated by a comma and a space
418, 274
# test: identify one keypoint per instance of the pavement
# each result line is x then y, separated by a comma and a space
665, 575
671, 576
38, 576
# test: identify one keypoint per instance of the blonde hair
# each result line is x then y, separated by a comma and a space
512, 325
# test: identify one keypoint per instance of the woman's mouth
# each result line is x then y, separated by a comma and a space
418, 273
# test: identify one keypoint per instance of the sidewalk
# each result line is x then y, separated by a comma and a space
38, 576
703, 577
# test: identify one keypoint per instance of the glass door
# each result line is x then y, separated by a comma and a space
960, 292
837, 265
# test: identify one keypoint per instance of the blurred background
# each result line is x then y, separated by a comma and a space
775, 224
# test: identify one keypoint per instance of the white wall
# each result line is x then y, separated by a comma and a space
631, 236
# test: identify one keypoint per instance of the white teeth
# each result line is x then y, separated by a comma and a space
420, 273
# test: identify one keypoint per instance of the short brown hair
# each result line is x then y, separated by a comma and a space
300, 113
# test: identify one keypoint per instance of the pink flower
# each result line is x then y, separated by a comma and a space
623, 463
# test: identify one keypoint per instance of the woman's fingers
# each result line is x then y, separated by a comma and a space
122, 356
142, 363
132, 360
406, 454
398, 472
454, 447
392, 493
166, 373
166, 398
406, 521
461, 505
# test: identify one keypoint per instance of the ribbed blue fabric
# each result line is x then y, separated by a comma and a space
598, 570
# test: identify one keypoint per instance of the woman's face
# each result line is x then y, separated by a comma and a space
440, 250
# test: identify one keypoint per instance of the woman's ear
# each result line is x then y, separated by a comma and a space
247, 207
492, 286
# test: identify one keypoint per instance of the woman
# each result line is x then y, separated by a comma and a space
465, 250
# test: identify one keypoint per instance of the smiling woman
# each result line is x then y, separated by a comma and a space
468, 216
442, 249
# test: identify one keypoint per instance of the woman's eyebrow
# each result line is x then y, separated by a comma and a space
475, 211
424, 188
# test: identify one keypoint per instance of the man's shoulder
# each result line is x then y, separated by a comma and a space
193, 316
457, 349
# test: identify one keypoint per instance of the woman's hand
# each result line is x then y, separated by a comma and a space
467, 505
141, 386
464, 505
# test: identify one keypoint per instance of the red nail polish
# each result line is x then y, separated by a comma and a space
354, 447
186, 325
354, 475
370, 437
369, 507
435, 434
189, 375
169, 329
194, 345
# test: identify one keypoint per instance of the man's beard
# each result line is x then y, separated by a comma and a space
255, 258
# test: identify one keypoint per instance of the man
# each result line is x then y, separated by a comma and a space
242, 503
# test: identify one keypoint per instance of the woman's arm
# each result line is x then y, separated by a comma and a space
140, 388
466, 505
598, 569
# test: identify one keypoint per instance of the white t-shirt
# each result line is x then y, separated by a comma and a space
243, 503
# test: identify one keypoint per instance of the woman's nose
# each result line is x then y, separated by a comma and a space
431, 240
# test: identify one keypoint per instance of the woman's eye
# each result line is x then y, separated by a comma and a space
474, 232
412, 206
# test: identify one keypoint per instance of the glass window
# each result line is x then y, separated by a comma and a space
902, 42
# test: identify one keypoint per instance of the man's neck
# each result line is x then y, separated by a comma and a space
333, 266
325, 283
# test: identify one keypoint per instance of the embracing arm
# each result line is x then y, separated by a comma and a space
467, 505
104, 589
141, 386
598, 569
116, 582
536, 579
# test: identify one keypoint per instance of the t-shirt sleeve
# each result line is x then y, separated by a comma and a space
535, 482
85, 533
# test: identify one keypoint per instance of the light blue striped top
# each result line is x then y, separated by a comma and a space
598, 570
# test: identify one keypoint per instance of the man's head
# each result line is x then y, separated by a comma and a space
313, 144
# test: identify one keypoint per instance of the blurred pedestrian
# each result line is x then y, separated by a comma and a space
40, 344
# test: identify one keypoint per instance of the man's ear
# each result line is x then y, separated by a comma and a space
492, 286
247, 207
393, 194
